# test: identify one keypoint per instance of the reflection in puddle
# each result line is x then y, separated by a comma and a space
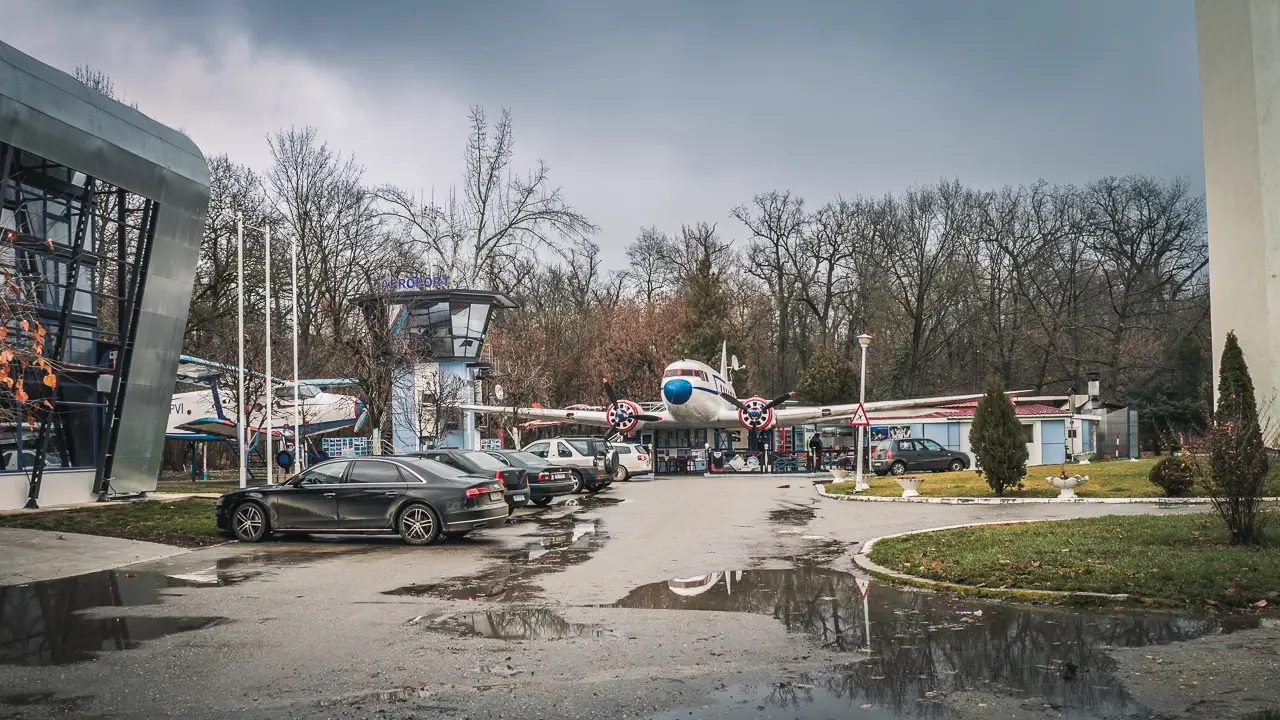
44, 623
566, 541
924, 646
528, 624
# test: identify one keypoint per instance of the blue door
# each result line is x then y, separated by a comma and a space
1053, 442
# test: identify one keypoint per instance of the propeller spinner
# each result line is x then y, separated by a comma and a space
755, 413
623, 415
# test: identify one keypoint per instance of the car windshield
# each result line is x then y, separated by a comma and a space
438, 469
529, 459
484, 460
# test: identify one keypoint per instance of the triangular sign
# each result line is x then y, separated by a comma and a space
859, 418
864, 586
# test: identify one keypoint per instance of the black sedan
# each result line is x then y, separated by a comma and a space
418, 499
474, 462
545, 479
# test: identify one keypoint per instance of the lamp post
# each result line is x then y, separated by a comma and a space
270, 392
859, 484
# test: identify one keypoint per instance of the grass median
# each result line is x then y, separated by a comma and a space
1170, 559
1113, 479
185, 523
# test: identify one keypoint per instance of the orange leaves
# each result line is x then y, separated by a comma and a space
19, 393
4, 333
26, 326
6, 356
50, 380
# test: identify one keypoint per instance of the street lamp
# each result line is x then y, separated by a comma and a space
864, 340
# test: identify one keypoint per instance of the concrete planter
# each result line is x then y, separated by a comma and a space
1067, 485
910, 486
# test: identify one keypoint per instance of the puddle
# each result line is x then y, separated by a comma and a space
796, 515
564, 540
524, 624
923, 646
44, 623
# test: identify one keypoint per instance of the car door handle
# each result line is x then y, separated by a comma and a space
329, 495
390, 494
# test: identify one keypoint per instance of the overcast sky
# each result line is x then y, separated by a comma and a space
664, 111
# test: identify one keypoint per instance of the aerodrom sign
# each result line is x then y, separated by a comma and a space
438, 282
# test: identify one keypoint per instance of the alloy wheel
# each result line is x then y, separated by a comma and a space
416, 524
249, 522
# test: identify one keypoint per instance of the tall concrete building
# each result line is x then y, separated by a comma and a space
101, 213
1239, 46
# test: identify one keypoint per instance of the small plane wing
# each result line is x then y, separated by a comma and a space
220, 427
595, 418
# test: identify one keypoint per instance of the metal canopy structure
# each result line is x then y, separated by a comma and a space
101, 215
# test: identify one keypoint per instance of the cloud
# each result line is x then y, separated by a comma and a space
667, 112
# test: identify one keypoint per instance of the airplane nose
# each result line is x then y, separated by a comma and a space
677, 392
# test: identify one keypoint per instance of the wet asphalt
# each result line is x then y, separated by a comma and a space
683, 597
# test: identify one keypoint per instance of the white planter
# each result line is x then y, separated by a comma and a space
1067, 485
910, 485
840, 474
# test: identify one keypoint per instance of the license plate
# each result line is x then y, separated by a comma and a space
517, 498
495, 496
560, 477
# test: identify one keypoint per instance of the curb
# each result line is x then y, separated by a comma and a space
863, 560
1171, 502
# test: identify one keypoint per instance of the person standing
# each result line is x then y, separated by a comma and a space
815, 453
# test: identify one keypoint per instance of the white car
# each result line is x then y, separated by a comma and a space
632, 460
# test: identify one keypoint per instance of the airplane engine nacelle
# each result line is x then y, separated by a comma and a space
755, 414
622, 416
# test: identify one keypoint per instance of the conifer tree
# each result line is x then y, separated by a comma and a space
997, 439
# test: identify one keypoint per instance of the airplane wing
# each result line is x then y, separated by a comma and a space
787, 416
595, 418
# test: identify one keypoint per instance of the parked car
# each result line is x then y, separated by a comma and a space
416, 498
632, 460
591, 458
474, 462
546, 480
895, 457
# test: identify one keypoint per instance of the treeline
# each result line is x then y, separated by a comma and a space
1042, 285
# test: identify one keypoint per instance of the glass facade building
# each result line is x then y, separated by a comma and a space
101, 211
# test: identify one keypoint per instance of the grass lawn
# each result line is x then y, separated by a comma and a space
186, 523
1111, 479
1169, 559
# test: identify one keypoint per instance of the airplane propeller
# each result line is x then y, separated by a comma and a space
754, 413
624, 415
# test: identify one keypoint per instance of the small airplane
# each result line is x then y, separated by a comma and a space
697, 396
210, 414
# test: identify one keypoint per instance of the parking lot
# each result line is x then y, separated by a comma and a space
565, 612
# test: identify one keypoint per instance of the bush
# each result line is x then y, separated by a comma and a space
1173, 476
996, 438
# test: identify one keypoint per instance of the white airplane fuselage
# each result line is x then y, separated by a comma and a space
321, 411
691, 391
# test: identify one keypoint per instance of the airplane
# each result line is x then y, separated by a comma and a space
697, 396
210, 414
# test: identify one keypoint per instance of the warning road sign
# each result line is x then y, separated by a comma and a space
859, 418
864, 586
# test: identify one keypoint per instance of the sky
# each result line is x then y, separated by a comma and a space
664, 112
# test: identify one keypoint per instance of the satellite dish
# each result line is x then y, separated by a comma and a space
498, 392
734, 363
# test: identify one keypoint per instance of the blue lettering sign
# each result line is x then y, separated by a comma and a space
438, 282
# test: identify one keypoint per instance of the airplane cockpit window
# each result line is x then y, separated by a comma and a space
682, 372
305, 392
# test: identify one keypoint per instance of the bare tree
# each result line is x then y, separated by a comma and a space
480, 233
777, 224
650, 258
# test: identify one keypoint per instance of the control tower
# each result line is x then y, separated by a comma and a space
445, 331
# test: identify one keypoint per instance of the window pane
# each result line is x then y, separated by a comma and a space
374, 471
326, 474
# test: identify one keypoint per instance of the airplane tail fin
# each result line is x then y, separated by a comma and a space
724, 359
